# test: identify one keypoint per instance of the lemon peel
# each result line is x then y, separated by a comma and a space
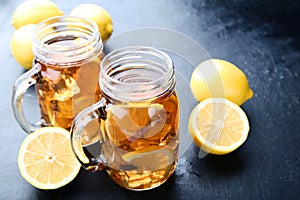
33, 12
97, 14
220, 78
21, 45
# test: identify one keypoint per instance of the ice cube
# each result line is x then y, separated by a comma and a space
65, 88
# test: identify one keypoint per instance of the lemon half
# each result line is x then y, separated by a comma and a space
46, 159
218, 126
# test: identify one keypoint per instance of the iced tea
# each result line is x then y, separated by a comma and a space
64, 91
138, 119
67, 54
144, 139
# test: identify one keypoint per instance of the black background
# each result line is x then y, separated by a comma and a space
261, 37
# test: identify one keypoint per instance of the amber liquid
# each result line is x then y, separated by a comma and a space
141, 139
63, 91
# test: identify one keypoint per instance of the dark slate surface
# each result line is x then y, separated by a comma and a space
261, 37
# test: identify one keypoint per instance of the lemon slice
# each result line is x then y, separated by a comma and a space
218, 126
151, 158
46, 159
136, 119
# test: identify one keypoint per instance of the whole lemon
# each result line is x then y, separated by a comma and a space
97, 14
220, 78
33, 12
21, 45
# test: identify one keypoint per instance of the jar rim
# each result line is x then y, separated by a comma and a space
60, 25
147, 49
135, 58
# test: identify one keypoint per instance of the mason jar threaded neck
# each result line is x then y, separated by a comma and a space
136, 74
65, 40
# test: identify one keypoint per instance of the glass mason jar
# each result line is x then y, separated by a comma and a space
138, 119
67, 54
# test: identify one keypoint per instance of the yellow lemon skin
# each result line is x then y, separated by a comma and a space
21, 45
97, 14
220, 78
33, 12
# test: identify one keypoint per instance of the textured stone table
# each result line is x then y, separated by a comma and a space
261, 37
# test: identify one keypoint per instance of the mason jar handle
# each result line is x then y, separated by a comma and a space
21, 85
81, 120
